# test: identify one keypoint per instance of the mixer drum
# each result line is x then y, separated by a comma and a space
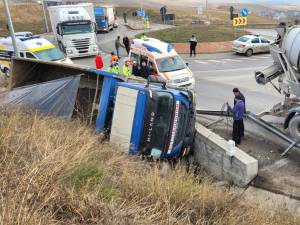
291, 44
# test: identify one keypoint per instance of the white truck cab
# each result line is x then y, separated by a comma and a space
74, 29
29, 46
163, 60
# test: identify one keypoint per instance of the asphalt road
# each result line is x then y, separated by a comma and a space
217, 74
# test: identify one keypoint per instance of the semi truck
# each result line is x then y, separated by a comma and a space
105, 18
285, 71
74, 29
138, 116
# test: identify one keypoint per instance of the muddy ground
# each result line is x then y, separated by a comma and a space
277, 174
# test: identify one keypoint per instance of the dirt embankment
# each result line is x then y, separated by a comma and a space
56, 172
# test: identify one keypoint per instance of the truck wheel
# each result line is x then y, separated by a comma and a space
294, 127
249, 52
6, 72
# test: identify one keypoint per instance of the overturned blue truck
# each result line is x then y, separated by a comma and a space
138, 116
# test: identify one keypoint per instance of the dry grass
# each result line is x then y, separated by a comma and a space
56, 172
25, 17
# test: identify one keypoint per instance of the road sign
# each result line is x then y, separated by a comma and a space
141, 13
239, 21
245, 12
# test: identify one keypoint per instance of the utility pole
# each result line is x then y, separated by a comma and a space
45, 16
207, 10
11, 28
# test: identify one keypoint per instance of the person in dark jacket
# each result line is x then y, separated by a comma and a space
145, 70
117, 46
126, 43
238, 124
135, 69
193, 44
236, 93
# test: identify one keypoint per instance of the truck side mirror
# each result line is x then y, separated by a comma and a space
57, 30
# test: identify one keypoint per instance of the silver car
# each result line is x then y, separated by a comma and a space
250, 44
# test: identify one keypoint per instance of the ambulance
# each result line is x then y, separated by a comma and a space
29, 46
163, 60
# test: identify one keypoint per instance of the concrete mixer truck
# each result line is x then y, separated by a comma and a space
286, 69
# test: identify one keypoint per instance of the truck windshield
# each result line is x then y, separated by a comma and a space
162, 120
76, 28
52, 54
170, 64
100, 18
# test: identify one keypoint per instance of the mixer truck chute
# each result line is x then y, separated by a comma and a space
286, 68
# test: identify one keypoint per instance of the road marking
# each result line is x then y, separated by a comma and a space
262, 57
201, 62
215, 61
229, 70
233, 60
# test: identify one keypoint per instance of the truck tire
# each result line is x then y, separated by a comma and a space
249, 52
294, 127
6, 72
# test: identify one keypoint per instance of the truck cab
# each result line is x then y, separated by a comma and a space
105, 18
139, 117
74, 29
150, 120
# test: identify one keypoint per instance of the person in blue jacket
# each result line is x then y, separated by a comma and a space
237, 92
238, 112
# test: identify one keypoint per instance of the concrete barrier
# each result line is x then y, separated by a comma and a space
211, 153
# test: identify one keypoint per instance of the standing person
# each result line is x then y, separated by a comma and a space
117, 46
238, 124
145, 70
99, 62
125, 17
135, 69
126, 43
126, 69
113, 58
193, 44
236, 93
143, 37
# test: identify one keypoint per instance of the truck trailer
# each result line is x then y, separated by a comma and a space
105, 18
74, 29
138, 116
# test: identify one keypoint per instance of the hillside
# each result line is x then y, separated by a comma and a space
55, 172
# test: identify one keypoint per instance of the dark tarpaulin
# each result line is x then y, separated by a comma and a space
55, 98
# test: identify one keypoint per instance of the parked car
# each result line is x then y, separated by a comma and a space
249, 44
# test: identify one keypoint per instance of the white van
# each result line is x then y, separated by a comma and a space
29, 46
164, 61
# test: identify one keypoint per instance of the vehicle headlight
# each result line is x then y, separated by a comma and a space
69, 51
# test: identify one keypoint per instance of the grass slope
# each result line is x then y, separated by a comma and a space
55, 172
181, 34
